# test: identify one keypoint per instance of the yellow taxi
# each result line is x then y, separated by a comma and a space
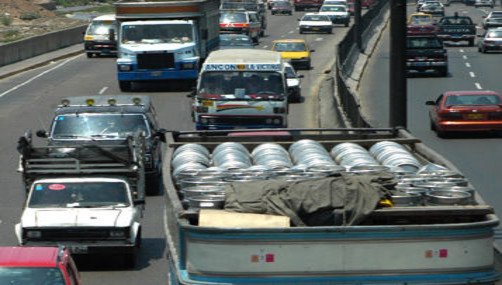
420, 19
295, 50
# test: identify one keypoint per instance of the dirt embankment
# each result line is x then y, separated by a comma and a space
26, 18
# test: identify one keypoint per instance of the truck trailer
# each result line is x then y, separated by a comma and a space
211, 240
164, 40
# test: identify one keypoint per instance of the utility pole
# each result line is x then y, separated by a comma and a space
398, 94
357, 25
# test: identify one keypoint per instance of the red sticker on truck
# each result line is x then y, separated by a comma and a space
57, 187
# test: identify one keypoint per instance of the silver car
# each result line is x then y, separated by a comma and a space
432, 7
492, 41
493, 20
485, 3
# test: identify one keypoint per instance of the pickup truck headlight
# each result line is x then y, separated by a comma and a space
117, 233
125, 67
188, 65
33, 234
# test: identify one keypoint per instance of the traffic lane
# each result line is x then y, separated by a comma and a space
482, 69
475, 155
31, 106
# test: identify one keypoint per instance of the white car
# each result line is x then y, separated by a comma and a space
493, 20
484, 3
339, 14
313, 22
492, 41
293, 82
432, 7
335, 2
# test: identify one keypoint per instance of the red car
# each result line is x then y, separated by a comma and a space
458, 111
421, 24
37, 266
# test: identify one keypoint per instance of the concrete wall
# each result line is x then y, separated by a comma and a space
26, 48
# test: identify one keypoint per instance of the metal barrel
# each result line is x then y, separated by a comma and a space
206, 202
447, 198
405, 199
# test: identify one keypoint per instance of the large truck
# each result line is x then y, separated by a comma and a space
438, 240
164, 40
240, 88
89, 198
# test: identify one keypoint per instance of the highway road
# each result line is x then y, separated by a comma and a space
477, 156
28, 100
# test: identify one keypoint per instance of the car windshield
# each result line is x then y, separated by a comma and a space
431, 42
474, 99
98, 126
100, 27
235, 41
31, 275
494, 34
158, 33
241, 83
432, 4
333, 9
290, 47
228, 18
315, 18
421, 20
78, 194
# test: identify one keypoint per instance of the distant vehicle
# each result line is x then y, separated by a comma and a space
492, 41
316, 23
240, 22
295, 50
432, 7
335, 2
293, 82
367, 3
464, 111
37, 266
282, 7
233, 41
448, 2
338, 14
301, 5
421, 24
425, 53
101, 36
484, 3
493, 20
457, 28
351, 7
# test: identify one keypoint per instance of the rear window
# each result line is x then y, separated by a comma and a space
494, 34
423, 42
290, 47
333, 9
233, 18
315, 18
31, 275
472, 100
497, 14
456, 21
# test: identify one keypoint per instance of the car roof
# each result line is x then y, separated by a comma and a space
290, 41
108, 17
239, 56
476, 92
27, 256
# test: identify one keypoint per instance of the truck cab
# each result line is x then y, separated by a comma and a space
37, 265
241, 89
101, 36
109, 120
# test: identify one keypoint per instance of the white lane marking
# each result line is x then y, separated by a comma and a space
319, 39
464, 56
478, 86
467, 64
35, 77
290, 32
472, 74
282, 36
265, 46
102, 90
461, 50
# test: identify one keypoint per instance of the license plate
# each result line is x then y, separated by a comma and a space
474, 116
156, 73
315, 29
79, 249
421, 63
207, 103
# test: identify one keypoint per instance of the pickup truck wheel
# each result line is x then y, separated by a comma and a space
125, 86
154, 184
89, 54
471, 43
441, 134
131, 257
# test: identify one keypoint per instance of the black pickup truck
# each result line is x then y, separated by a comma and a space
457, 28
425, 53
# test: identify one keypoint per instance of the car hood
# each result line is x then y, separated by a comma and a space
77, 217
315, 23
294, 54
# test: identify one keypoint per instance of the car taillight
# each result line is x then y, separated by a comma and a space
489, 42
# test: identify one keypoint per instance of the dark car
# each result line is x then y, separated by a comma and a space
426, 53
232, 41
282, 7
110, 120
461, 111
457, 28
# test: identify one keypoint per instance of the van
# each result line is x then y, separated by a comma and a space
101, 37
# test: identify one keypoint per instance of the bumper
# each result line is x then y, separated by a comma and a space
338, 20
493, 47
297, 63
100, 47
95, 247
466, 126
424, 66
316, 29
157, 75
284, 12
239, 122
455, 38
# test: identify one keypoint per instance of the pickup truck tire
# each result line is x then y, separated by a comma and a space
131, 257
346, 24
125, 86
89, 54
443, 72
471, 43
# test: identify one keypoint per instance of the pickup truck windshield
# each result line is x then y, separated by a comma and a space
423, 42
158, 33
249, 82
98, 126
31, 275
78, 194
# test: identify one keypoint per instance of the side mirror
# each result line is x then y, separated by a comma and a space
300, 76
312, 50
431, 103
161, 134
298, 19
139, 202
41, 134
